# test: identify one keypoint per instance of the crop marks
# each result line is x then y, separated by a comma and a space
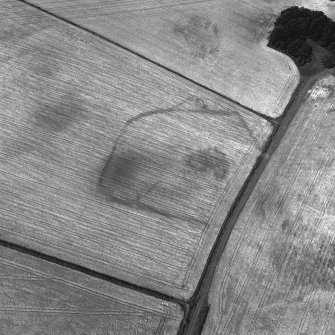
219, 44
111, 162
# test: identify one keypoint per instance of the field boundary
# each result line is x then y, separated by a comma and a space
198, 305
78, 26
195, 309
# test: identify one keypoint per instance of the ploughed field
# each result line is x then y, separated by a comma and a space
276, 274
110, 162
129, 150
219, 44
41, 298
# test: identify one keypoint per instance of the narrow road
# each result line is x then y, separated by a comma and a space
195, 317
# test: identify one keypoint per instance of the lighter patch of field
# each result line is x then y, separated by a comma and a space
323, 90
277, 272
220, 44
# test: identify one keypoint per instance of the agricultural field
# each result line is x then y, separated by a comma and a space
150, 181
276, 275
219, 44
110, 162
41, 298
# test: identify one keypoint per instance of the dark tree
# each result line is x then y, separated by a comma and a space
295, 26
328, 61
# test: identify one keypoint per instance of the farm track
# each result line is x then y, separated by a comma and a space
193, 41
194, 321
195, 308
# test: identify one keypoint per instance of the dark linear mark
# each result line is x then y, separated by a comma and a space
246, 126
195, 316
281, 124
202, 109
122, 167
149, 208
137, 54
93, 273
258, 167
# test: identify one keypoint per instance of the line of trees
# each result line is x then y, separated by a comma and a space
297, 24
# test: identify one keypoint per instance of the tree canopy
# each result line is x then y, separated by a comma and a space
295, 26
